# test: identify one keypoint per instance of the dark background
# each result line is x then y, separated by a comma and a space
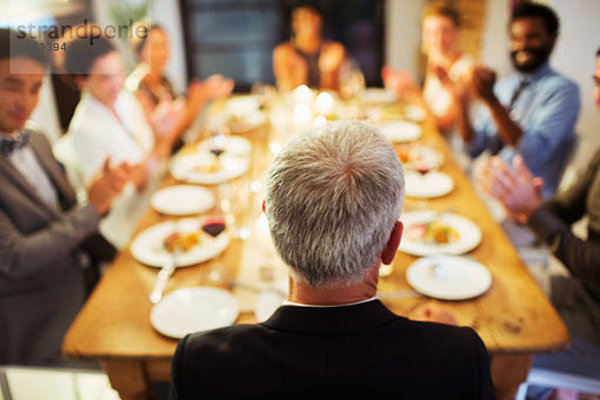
236, 37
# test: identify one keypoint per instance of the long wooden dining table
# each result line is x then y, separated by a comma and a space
513, 318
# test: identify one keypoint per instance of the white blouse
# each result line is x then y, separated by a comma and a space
98, 134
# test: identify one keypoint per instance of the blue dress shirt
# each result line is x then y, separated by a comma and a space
546, 110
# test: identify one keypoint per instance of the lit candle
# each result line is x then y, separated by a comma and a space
303, 95
320, 121
324, 104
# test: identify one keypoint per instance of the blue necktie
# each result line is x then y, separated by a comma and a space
498, 145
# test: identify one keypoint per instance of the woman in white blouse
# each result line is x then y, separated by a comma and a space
109, 123
447, 67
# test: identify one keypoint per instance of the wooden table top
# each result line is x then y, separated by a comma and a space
514, 316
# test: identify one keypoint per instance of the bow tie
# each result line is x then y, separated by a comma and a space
10, 143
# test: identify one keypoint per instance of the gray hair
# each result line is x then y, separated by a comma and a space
333, 196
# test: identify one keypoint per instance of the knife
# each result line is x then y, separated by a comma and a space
161, 281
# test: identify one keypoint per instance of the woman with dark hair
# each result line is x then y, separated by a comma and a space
109, 124
307, 59
154, 90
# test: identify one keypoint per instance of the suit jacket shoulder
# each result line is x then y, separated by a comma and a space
357, 350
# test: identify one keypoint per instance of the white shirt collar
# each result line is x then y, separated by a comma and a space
292, 303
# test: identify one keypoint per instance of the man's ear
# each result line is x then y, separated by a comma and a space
264, 207
391, 247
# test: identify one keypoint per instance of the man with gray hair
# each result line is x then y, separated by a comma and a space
334, 195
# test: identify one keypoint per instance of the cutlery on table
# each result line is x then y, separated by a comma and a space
161, 281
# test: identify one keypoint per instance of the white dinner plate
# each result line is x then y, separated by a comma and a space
187, 168
148, 248
266, 304
432, 184
377, 96
469, 234
194, 309
415, 113
230, 144
448, 277
246, 123
242, 105
400, 131
182, 200
270, 299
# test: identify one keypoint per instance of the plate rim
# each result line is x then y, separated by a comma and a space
402, 122
213, 289
186, 185
417, 264
244, 161
439, 194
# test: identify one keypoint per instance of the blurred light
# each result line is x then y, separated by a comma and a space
302, 114
324, 104
320, 121
302, 94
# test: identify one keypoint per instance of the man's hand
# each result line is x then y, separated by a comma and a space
482, 84
433, 312
519, 191
107, 185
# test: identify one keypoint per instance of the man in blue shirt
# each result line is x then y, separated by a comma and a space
532, 112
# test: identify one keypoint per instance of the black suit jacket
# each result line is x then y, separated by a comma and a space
354, 351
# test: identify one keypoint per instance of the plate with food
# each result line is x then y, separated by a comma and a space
432, 232
194, 309
208, 168
188, 241
400, 131
182, 200
427, 185
419, 158
448, 277
235, 145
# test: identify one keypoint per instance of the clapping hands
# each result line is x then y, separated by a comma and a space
215, 86
481, 83
106, 185
518, 190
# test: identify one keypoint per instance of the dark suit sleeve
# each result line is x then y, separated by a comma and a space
175, 391
570, 205
579, 256
24, 255
551, 224
485, 388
